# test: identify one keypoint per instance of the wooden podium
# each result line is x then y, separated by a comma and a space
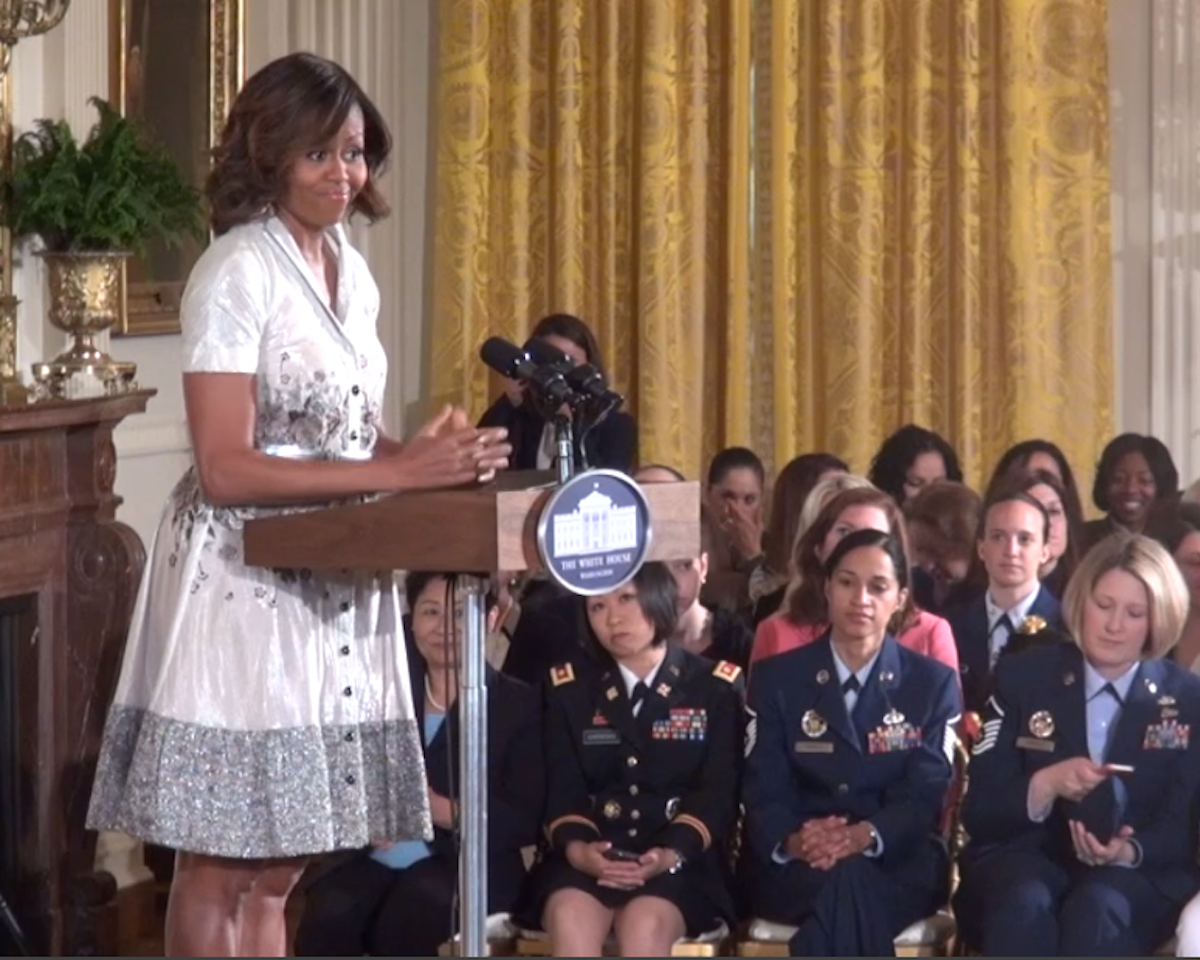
480, 531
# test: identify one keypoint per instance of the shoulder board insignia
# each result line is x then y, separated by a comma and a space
1032, 625
563, 673
727, 671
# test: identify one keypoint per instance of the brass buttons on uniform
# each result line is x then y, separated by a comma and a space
633, 790
635, 814
631, 761
612, 809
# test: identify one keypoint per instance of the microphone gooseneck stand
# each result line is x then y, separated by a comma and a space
472, 770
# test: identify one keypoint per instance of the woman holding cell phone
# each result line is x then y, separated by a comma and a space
643, 750
1085, 781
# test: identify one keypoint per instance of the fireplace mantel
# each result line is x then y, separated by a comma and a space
77, 568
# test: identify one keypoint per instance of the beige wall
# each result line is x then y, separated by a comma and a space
386, 44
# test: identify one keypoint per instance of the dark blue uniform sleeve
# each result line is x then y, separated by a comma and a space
517, 799
708, 809
1170, 839
997, 803
912, 807
768, 791
568, 803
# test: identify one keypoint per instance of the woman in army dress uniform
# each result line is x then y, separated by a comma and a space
643, 746
848, 764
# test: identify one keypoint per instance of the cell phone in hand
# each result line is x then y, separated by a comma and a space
621, 856
1118, 768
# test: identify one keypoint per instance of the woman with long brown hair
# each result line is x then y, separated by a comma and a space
804, 614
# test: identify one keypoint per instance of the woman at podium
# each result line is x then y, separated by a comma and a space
263, 716
643, 748
611, 443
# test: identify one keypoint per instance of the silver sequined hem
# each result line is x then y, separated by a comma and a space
250, 795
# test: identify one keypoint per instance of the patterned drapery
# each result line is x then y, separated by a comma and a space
794, 224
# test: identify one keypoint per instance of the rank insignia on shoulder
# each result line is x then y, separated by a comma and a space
1032, 624
563, 673
727, 671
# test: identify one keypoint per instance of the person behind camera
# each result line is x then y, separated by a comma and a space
1083, 798
396, 900
643, 748
848, 763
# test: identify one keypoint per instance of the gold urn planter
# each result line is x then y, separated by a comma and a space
85, 298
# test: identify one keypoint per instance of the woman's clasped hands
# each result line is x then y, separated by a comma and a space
449, 451
590, 858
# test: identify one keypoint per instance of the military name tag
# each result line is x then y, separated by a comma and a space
1167, 735
1032, 743
601, 738
894, 739
814, 746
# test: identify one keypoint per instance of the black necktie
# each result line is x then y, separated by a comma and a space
1110, 689
851, 685
640, 693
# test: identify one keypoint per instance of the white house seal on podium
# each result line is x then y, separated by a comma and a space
594, 533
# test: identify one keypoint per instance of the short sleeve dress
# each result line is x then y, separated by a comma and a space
267, 713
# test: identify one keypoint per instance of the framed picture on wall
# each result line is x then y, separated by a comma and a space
177, 65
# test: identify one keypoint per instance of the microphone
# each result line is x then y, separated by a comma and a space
510, 360
583, 378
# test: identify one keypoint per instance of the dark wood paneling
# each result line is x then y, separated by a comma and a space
61, 547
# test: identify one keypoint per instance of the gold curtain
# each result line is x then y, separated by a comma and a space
794, 224
582, 167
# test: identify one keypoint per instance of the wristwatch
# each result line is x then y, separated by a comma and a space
679, 861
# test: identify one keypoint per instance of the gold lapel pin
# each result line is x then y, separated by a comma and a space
822, 676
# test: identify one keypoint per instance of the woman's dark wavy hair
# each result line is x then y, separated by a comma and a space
792, 487
1013, 468
897, 453
657, 596
570, 327
889, 545
291, 106
1166, 475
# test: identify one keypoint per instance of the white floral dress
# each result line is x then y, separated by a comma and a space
267, 713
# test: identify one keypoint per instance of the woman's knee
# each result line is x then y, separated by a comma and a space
275, 879
649, 920
215, 876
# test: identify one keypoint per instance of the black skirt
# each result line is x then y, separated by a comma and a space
686, 892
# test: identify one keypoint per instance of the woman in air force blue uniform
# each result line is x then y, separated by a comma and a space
849, 743
1082, 804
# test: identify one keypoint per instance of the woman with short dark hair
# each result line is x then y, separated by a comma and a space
263, 716
643, 748
1135, 474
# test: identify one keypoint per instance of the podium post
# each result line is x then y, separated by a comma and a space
479, 529
472, 766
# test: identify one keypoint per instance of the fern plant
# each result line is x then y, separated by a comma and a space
114, 192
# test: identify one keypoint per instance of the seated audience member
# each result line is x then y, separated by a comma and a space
1082, 805
848, 763
611, 443
942, 521
658, 473
910, 459
1062, 546
791, 489
713, 633
734, 497
643, 751
1042, 456
804, 615
1015, 608
1179, 531
541, 624
1134, 473
825, 490
396, 900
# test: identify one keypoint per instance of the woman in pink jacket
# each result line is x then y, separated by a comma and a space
802, 618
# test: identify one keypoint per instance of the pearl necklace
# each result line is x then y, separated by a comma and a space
433, 701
